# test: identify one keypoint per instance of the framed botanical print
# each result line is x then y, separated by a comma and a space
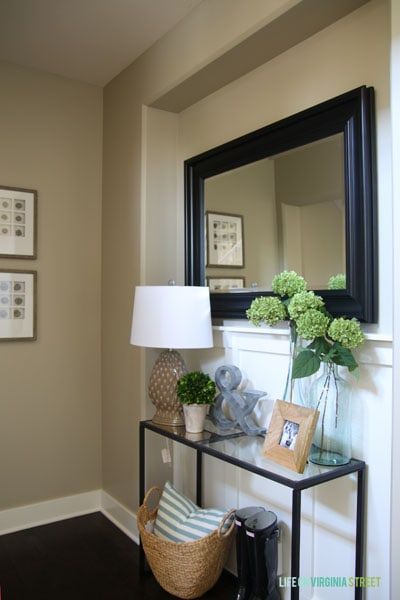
224, 240
18, 221
17, 305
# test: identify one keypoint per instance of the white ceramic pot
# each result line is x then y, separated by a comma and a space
195, 415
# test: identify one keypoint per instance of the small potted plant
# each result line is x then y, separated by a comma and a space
196, 392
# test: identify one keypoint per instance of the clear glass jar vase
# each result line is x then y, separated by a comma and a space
330, 394
296, 390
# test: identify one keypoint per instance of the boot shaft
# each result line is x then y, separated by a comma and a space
241, 516
262, 547
243, 565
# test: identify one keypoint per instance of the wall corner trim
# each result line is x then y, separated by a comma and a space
67, 507
121, 516
49, 511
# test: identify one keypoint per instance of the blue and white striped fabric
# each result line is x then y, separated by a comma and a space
180, 520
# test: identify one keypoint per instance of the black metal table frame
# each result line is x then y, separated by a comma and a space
297, 486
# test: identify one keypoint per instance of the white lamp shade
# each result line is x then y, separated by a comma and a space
172, 317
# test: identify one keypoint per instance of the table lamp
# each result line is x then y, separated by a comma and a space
171, 317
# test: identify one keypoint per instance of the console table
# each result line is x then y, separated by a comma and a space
245, 452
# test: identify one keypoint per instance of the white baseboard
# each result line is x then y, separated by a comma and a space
121, 516
49, 511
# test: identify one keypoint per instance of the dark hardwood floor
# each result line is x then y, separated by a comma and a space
83, 558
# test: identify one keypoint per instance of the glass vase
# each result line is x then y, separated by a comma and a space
330, 394
296, 390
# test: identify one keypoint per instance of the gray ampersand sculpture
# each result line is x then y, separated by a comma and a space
241, 404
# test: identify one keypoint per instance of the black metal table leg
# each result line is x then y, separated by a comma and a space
199, 477
354, 466
142, 483
359, 566
296, 525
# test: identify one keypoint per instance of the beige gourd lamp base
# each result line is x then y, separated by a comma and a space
170, 317
168, 368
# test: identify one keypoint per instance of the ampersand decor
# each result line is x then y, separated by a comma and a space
241, 404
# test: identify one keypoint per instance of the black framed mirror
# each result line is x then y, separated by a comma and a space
297, 194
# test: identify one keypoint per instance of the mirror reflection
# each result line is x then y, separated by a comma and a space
285, 212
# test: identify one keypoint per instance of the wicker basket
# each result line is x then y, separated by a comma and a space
187, 569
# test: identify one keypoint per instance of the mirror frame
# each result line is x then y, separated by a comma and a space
353, 115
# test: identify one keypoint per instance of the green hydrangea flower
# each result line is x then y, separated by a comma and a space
266, 309
347, 332
303, 301
288, 283
312, 324
337, 282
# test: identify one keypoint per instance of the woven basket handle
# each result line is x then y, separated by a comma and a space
223, 521
154, 489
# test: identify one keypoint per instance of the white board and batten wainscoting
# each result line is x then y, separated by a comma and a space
328, 510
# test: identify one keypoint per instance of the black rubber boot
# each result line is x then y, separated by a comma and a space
243, 564
262, 544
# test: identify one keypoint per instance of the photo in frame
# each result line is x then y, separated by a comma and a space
224, 240
290, 433
219, 284
17, 305
18, 222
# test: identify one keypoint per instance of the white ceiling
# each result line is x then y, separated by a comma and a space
88, 40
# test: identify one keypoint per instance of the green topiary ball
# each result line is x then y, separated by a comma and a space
196, 388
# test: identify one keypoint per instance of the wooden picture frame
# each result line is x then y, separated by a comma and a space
290, 434
225, 283
18, 222
225, 244
18, 291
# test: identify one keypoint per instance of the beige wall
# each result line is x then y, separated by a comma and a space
313, 241
250, 192
193, 43
51, 135
310, 190
313, 173
337, 59
322, 233
50, 415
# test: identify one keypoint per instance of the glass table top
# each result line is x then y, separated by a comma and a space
235, 447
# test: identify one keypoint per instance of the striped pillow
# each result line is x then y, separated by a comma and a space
180, 520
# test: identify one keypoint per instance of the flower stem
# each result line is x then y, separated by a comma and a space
289, 385
336, 397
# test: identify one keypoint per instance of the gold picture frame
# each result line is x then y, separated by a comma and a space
290, 434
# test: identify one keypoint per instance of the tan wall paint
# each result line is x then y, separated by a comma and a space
121, 363
287, 24
310, 187
335, 60
248, 191
311, 174
197, 40
322, 232
161, 198
292, 81
50, 443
